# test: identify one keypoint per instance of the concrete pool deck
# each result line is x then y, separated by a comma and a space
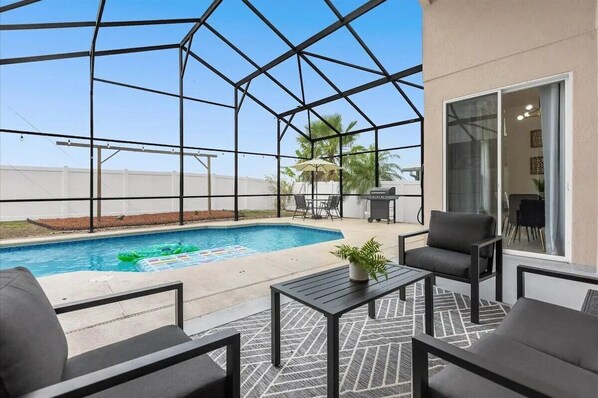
208, 289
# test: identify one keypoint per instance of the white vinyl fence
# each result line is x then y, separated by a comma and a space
63, 182
21, 182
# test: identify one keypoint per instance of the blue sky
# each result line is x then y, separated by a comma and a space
52, 96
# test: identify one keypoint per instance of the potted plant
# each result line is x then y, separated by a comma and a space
539, 183
366, 261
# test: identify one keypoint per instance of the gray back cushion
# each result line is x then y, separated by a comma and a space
457, 231
32, 343
561, 332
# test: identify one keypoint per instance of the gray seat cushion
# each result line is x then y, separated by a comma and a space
199, 377
442, 261
564, 333
453, 381
32, 343
457, 231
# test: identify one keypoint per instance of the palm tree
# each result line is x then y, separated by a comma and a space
359, 169
326, 149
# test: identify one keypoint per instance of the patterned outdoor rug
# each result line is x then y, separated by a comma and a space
375, 354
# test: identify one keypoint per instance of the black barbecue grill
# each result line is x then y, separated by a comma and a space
380, 204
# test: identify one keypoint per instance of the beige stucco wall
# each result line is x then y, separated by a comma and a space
475, 45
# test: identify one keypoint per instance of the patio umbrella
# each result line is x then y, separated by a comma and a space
316, 165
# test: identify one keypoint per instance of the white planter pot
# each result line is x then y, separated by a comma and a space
357, 273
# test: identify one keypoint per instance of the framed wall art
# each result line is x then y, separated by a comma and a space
535, 138
536, 165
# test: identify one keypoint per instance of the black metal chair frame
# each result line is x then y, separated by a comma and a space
488, 368
329, 206
476, 278
124, 372
304, 209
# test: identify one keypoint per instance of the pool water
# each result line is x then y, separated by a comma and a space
101, 254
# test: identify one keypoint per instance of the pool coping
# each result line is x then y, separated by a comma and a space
39, 241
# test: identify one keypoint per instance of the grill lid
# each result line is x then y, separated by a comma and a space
382, 191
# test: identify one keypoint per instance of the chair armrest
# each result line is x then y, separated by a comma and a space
487, 242
523, 269
402, 243
128, 295
124, 372
487, 368
475, 255
412, 234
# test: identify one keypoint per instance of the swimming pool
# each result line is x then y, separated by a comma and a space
100, 254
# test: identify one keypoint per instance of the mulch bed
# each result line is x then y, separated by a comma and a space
82, 223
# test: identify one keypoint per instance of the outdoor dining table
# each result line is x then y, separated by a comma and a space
333, 294
313, 203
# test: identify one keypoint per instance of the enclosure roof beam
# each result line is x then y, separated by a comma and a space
91, 24
338, 90
209, 11
365, 130
17, 4
151, 90
286, 127
268, 75
336, 61
373, 57
278, 33
81, 54
96, 30
314, 39
229, 81
405, 82
263, 18
356, 90
47, 57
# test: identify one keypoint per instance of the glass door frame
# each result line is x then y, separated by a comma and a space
567, 79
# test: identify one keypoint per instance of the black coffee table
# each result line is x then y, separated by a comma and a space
333, 294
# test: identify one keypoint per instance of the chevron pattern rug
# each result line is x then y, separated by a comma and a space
375, 354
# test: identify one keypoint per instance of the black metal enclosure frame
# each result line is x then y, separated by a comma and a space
241, 92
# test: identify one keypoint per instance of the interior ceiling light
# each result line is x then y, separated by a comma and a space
530, 111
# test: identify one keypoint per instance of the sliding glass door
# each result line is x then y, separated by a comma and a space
471, 155
505, 155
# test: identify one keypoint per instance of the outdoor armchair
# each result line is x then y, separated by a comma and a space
164, 362
538, 350
460, 247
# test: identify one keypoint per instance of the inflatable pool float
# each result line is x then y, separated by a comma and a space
134, 256
164, 263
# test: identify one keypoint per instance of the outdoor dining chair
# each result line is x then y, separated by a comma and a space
513, 227
300, 206
330, 207
532, 217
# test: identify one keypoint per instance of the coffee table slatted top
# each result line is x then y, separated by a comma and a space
333, 293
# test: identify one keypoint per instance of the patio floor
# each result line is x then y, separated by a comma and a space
375, 354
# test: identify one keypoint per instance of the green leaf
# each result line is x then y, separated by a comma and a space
367, 256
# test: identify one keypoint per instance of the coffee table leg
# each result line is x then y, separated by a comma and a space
333, 357
429, 307
275, 327
372, 309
